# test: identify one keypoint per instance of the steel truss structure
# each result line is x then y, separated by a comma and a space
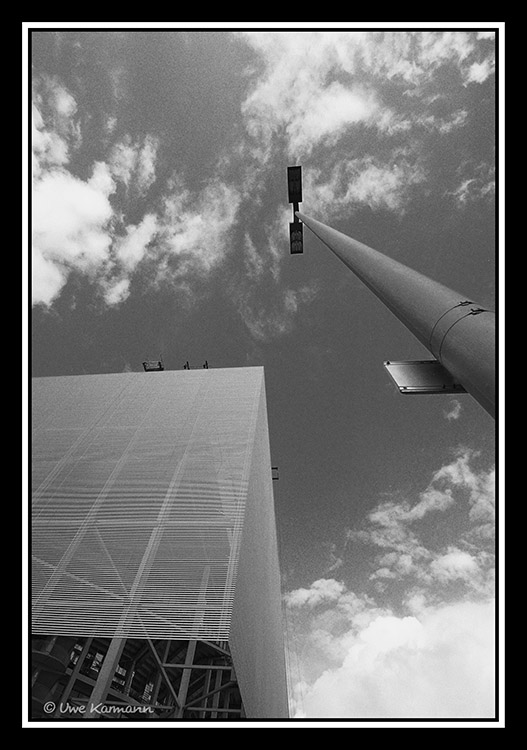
132, 679
154, 546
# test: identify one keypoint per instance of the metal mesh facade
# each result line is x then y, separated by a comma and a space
140, 485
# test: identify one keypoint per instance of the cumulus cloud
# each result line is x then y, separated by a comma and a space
480, 71
75, 222
435, 665
70, 228
418, 641
115, 291
71, 217
455, 564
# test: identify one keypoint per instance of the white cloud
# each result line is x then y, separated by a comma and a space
128, 252
455, 564
70, 228
65, 104
196, 228
55, 131
71, 217
333, 111
459, 472
49, 148
295, 95
419, 642
313, 87
478, 183
365, 181
131, 249
455, 410
134, 163
116, 292
436, 48
146, 163
110, 124
323, 590
480, 71
48, 278
438, 664
123, 160
472, 189
398, 530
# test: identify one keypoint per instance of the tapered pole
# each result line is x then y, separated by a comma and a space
455, 329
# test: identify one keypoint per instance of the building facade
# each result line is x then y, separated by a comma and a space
155, 576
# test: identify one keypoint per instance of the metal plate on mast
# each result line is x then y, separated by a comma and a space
422, 377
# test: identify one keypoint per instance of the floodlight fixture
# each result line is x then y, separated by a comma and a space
296, 238
294, 185
294, 189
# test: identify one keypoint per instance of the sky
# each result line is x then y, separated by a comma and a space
159, 228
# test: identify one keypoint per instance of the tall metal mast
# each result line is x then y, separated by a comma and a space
457, 331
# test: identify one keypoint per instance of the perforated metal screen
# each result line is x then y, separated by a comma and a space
139, 485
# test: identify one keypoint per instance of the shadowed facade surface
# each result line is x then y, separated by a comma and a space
154, 545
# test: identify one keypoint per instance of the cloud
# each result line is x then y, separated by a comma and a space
334, 110
134, 163
335, 560
131, 249
293, 93
455, 564
71, 217
399, 529
146, 163
478, 183
75, 222
435, 665
55, 130
323, 590
472, 190
454, 411
48, 278
480, 71
70, 228
128, 251
365, 181
275, 316
195, 228
49, 148
311, 88
419, 642
115, 292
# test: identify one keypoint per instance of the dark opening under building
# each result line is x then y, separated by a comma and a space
155, 576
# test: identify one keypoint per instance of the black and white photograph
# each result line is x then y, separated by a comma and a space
262, 373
